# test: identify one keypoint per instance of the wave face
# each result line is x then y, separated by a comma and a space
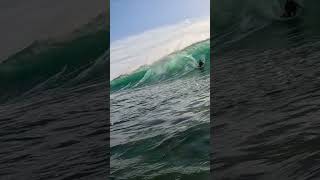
132, 52
173, 66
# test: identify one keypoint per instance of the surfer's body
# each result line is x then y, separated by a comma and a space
200, 65
291, 8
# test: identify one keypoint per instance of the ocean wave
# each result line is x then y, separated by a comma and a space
173, 66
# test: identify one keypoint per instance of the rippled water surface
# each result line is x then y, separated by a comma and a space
161, 131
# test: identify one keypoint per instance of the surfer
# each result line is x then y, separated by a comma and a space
200, 64
291, 8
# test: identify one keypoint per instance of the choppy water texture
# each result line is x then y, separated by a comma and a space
160, 118
265, 98
53, 108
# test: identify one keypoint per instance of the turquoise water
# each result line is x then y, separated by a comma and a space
160, 118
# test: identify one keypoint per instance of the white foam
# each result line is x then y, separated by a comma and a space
132, 52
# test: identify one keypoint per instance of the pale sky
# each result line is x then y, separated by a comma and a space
144, 31
131, 17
